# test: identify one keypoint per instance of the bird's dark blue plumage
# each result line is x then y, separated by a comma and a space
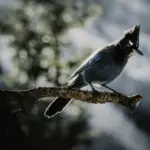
96, 58
102, 67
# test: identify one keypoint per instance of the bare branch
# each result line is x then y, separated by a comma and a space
86, 96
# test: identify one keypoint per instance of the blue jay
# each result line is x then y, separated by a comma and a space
102, 67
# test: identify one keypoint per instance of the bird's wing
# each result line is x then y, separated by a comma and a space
95, 56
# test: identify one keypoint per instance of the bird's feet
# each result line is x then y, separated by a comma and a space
111, 89
93, 89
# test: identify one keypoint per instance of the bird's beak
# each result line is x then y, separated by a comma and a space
138, 51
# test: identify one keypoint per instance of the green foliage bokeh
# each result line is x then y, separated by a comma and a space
38, 34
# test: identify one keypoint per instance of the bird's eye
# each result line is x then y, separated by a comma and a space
130, 42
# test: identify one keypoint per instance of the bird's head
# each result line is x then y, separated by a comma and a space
129, 43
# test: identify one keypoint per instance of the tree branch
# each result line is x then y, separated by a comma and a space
86, 96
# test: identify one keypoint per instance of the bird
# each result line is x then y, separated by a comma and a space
102, 67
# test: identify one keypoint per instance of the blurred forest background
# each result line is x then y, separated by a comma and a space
41, 44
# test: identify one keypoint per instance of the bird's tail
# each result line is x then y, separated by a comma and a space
60, 103
56, 106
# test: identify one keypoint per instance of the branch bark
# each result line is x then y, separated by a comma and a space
86, 96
